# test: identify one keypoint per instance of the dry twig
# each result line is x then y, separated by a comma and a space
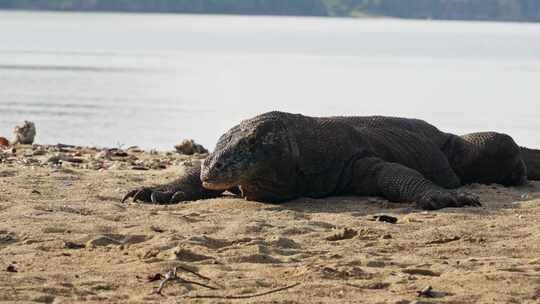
244, 296
172, 275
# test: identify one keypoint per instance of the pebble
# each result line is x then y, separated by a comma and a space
189, 147
11, 268
25, 134
425, 292
72, 245
385, 218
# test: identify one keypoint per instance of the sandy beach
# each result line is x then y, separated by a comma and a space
66, 237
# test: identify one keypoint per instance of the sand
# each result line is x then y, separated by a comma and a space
66, 237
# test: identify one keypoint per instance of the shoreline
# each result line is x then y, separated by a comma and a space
352, 17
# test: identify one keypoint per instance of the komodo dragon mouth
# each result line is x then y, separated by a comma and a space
216, 185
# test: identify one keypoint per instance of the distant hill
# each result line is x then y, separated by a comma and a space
244, 7
500, 10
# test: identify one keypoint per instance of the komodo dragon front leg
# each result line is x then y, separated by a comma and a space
186, 188
374, 176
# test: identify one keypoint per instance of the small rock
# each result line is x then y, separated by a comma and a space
157, 229
11, 268
386, 237
426, 292
154, 277
189, 147
72, 245
35, 192
385, 218
25, 135
140, 168
422, 272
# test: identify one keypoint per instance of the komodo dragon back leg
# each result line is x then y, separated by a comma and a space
187, 188
531, 157
374, 176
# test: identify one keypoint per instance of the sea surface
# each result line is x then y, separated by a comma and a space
117, 80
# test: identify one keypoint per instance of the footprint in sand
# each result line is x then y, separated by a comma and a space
283, 243
185, 254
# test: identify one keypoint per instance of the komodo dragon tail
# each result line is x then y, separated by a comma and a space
532, 161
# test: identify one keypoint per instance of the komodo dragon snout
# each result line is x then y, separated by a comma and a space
242, 154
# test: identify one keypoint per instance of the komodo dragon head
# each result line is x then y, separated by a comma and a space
254, 154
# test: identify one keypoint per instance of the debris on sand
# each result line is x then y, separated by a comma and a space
345, 235
73, 245
105, 154
444, 240
426, 292
11, 268
4, 142
385, 218
189, 147
25, 135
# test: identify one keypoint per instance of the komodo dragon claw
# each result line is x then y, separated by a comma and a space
169, 197
143, 194
149, 195
434, 200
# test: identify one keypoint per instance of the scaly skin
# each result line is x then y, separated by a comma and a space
277, 156
531, 157
486, 157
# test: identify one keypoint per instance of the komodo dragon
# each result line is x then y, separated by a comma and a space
277, 156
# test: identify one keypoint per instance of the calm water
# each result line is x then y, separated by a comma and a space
151, 80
